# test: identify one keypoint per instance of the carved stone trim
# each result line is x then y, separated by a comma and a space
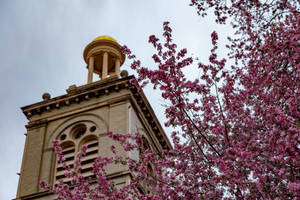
36, 124
76, 96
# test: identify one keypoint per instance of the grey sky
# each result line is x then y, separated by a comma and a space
42, 42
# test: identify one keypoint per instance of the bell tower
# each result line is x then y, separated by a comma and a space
84, 116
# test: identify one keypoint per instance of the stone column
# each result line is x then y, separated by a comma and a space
91, 69
117, 66
104, 65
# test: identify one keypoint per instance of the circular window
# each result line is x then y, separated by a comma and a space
78, 131
93, 128
63, 137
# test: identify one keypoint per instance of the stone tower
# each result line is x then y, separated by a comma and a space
84, 115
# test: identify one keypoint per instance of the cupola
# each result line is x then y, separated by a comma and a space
103, 57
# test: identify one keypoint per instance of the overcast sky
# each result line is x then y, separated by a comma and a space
41, 46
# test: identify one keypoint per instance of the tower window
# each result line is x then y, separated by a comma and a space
63, 137
145, 146
93, 128
72, 139
78, 131
68, 151
89, 158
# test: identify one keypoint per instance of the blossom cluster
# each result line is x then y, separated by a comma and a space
236, 128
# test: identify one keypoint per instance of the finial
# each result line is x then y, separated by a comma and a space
46, 96
124, 73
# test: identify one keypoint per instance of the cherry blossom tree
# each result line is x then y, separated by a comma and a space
236, 128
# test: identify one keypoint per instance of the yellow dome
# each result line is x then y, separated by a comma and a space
104, 37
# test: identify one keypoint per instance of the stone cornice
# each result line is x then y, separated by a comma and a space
150, 116
37, 124
77, 94
95, 90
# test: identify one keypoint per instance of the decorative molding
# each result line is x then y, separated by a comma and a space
96, 50
36, 124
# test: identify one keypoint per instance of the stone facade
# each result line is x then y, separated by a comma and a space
111, 104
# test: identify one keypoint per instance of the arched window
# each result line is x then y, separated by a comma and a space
90, 156
150, 175
144, 147
68, 151
71, 140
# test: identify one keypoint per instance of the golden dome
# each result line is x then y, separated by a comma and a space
105, 37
